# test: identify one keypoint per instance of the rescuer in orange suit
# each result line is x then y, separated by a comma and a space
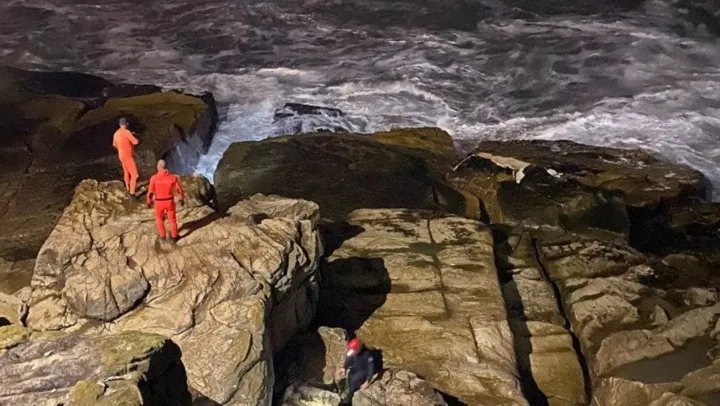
124, 141
160, 195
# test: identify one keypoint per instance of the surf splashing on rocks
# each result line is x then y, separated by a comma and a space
480, 70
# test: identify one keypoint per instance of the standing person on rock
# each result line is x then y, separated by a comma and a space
160, 196
124, 141
359, 366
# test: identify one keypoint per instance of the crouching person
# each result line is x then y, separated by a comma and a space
359, 366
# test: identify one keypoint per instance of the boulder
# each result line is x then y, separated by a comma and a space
571, 187
398, 388
341, 172
444, 319
57, 130
621, 392
13, 308
392, 388
306, 395
235, 288
129, 368
296, 118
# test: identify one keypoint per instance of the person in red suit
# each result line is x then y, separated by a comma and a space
160, 196
124, 142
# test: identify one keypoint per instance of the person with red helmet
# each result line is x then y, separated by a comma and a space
160, 196
359, 366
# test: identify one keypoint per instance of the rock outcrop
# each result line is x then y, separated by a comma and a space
569, 187
392, 388
296, 118
129, 368
547, 360
341, 172
641, 322
424, 290
57, 130
235, 288
398, 388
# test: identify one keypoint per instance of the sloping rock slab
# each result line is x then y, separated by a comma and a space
128, 368
398, 388
233, 289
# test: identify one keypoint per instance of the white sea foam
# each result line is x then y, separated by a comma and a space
625, 80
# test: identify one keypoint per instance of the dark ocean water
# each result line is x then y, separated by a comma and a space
480, 70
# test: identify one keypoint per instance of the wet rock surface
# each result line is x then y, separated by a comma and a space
341, 172
297, 118
392, 388
434, 306
570, 187
633, 323
235, 288
129, 368
547, 359
57, 130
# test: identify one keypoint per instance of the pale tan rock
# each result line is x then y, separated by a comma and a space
398, 388
234, 288
454, 335
621, 392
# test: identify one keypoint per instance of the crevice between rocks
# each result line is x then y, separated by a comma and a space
561, 308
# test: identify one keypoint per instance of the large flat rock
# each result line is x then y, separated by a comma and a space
235, 287
341, 172
443, 317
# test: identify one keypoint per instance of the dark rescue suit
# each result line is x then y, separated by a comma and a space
161, 189
360, 368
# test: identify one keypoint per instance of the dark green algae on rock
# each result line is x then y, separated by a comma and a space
571, 187
341, 172
128, 368
56, 130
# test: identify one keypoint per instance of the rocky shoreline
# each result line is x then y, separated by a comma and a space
526, 273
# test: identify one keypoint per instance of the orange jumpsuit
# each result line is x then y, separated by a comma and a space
124, 141
161, 188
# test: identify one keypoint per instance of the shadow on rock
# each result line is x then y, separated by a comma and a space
351, 290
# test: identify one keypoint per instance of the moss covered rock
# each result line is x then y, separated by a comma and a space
233, 289
57, 130
571, 187
341, 172
129, 368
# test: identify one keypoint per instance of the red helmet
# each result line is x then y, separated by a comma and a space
354, 344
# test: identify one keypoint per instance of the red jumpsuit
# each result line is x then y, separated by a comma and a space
124, 141
161, 188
